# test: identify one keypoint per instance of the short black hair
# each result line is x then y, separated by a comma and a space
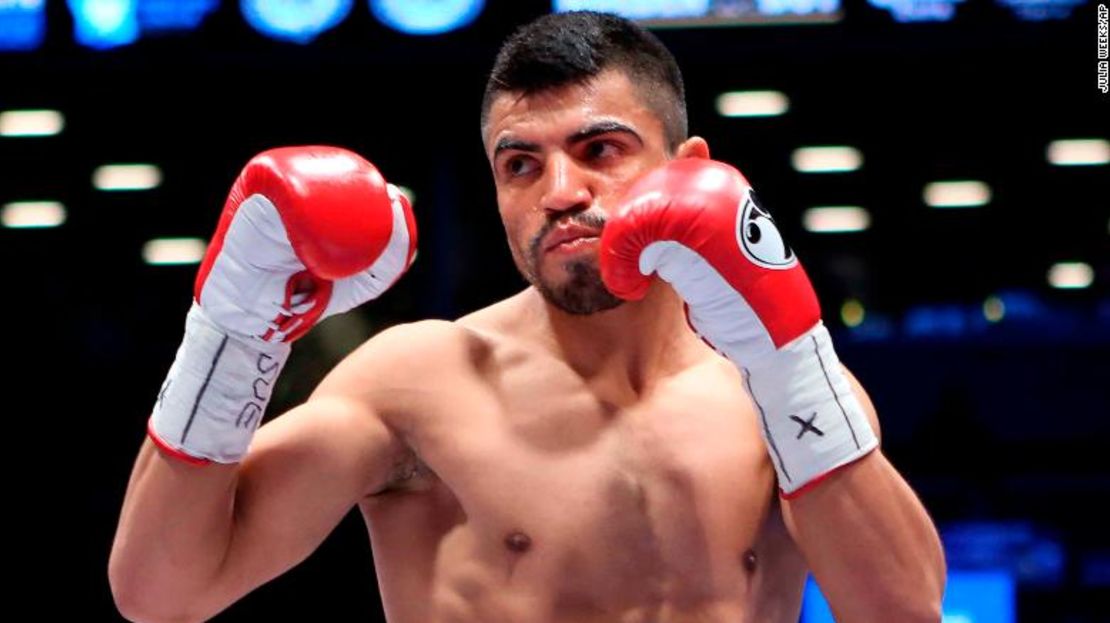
560, 49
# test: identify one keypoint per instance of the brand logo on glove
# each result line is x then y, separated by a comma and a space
251, 413
759, 237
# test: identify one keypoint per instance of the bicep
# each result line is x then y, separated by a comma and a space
304, 472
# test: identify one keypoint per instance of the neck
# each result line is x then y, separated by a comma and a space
631, 346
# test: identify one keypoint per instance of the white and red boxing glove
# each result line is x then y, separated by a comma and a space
696, 223
305, 233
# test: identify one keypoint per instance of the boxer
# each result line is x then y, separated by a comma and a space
656, 429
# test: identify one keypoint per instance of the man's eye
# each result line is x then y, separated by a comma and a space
601, 149
519, 166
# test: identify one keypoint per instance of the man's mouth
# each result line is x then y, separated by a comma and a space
570, 237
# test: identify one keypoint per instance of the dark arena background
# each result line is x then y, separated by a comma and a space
940, 166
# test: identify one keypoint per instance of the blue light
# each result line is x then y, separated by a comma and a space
698, 9
1032, 556
970, 597
162, 15
299, 21
1021, 304
980, 597
936, 321
638, 9
426, 17
918, 10
22, 24
103, 24
1041, 10
876, 327
797, 7
815, 609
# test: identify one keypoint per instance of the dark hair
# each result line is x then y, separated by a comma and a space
566, 48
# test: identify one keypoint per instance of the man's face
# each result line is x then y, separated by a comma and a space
561, 159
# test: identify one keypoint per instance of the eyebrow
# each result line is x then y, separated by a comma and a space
590, 131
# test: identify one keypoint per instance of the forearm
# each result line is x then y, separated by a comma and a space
173, 532
870, 544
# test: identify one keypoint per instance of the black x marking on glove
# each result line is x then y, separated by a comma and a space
807, 425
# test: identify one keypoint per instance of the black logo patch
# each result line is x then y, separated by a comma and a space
759, 236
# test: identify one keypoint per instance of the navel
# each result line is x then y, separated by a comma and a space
518, 542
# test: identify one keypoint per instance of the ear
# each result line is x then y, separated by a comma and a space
693, 147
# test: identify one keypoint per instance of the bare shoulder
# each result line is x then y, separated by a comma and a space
409, 370
715, 379
403, 357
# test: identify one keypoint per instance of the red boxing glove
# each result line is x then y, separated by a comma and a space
697, 224
306, 232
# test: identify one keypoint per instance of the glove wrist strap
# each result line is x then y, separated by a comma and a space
215, 394
811, 419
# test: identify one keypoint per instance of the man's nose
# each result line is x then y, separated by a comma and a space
567, 186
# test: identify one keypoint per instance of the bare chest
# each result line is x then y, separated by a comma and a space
655, 501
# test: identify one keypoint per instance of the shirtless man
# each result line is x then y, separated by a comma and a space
561, 455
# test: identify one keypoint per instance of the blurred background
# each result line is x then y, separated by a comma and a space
940, 166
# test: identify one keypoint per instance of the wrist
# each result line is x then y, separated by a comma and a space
171, 451
812, 420
215, 393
